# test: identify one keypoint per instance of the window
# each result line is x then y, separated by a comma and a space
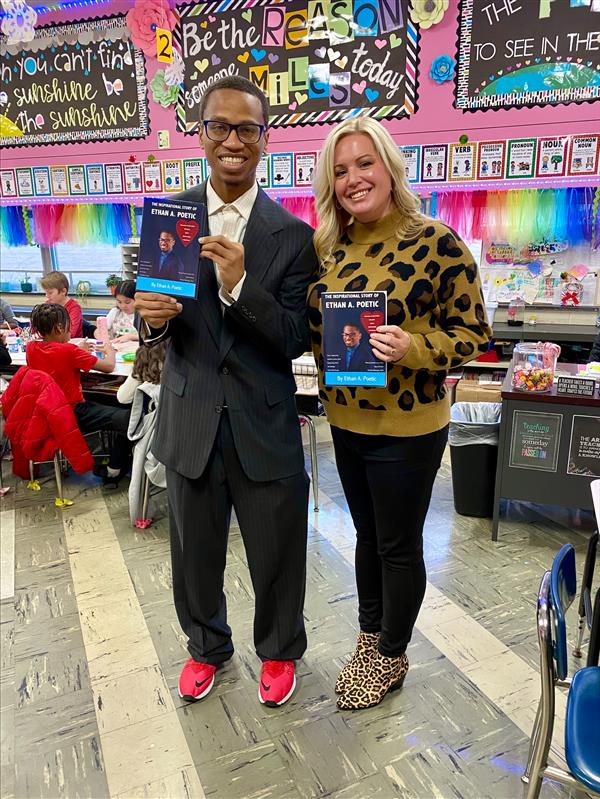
16, 263
92, 264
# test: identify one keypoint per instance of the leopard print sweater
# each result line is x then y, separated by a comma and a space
434, 295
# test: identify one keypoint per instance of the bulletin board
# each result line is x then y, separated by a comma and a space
527, 52
316, 61
72, 83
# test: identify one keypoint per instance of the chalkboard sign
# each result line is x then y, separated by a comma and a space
527, 52
78, 82
584, 449
535, 440
316, 61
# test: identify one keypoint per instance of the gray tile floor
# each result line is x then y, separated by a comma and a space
82, 656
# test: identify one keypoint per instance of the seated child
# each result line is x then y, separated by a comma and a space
8, 320
120, 325
64, 361
5, 358
147, 368
56, 287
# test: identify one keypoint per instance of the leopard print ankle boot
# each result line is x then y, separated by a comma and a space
366, 649
384, 675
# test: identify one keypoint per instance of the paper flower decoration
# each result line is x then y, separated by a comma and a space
442, 68
143, 20
175, 71
162, 93
19, 21
428, 12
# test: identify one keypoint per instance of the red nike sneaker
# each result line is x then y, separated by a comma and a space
196, 680
277, 682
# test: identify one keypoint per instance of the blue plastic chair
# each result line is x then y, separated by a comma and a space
582, 724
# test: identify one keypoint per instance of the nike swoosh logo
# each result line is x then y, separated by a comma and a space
200, 684
265, 687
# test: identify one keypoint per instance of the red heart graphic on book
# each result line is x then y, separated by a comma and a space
371, 320
187, 230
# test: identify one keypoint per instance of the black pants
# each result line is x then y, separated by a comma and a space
273, 519
92, 416
388, 481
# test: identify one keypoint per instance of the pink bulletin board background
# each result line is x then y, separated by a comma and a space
436, 120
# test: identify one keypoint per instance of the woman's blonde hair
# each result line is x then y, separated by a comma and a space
332, 219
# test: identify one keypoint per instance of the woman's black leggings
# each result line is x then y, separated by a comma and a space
388, 481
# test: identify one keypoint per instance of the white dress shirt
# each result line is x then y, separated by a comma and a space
229, 221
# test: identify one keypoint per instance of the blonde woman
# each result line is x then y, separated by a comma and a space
389, 441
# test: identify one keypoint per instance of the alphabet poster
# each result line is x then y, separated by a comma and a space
527, 52
316, 61
83, 81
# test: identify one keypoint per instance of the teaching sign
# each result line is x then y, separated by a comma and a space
535, 441
78, 82
584, 448
317, 61
527, 52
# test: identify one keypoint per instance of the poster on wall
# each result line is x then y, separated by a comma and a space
527, 52
520, 158
281, 170
535, 441
583, 155
24, 182
8, 183
304, 168
193, 172
584, 447
83, 81
491, 160
412, 161
317, 62
41, 181
551, 157
58, 178
152, 176
133, 178
462, 161
94, 174
172, 175
76, 179
263, 172
113, 174
434, 163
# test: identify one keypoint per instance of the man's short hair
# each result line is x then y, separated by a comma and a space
168, 232
55, 280
239, 84
45, 318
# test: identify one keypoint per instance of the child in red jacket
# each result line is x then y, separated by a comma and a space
65, 362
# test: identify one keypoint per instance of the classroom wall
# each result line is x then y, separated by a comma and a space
436, 120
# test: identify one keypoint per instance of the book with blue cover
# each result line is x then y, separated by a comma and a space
168, 260
349, 318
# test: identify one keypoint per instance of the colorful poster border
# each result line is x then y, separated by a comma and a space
572, 138
54, 170
264, 159
14, 183
129, 167
452, 158
45, 170
416, 160
288, 184
436, 179
21, 170
179, 167
70, 169
186, 163
122, 178
500, 175
509, 145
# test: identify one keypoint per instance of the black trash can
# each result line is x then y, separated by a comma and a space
473, 439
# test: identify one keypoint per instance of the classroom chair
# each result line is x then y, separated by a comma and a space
582, 727
312, 446
586, 610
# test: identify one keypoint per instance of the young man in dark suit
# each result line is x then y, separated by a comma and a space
227, 427
169, 265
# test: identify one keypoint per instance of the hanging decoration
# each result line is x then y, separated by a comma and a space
19, 21
428, 12
163, 93
547, 217
82, 224
302, 207
27, 225
442, 69
143, 20
12, 226
133, 221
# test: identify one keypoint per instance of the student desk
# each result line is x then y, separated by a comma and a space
549, 448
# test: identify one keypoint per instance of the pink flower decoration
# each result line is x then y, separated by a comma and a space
143, 20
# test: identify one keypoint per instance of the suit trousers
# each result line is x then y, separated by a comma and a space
273, 520
388, 482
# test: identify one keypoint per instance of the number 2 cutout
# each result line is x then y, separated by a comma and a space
164, 45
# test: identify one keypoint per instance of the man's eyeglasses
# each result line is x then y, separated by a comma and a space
247, 132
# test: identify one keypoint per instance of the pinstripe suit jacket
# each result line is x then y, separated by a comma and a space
242, 357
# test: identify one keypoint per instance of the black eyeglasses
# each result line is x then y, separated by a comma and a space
247, 132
